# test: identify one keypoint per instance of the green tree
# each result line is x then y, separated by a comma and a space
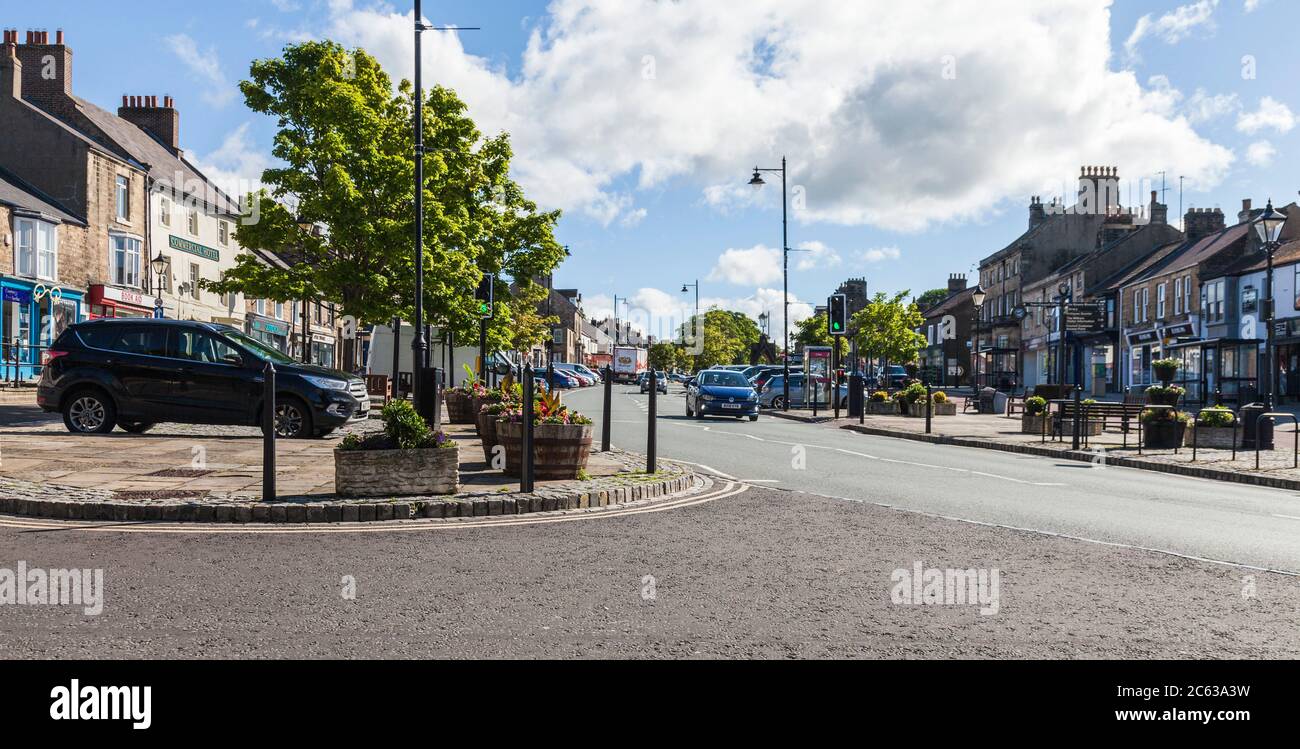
931, 298
727, 338
886, 328
813, 331
347, 145
665, 355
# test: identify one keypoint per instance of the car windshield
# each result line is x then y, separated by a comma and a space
724, 379
259, 349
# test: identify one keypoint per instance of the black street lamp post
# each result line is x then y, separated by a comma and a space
695, 321
1268, 227
977, 298
757, 182
420, 343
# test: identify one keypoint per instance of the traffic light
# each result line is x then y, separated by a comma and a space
837, 314
483, 295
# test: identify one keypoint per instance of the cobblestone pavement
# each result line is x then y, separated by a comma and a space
219, 465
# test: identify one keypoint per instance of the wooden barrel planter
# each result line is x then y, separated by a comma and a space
487, 434
560, 451
1163, 435
460, 407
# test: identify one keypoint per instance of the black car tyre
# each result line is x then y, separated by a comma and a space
135, 427
778, 401
89, 411
753, 418
292, 419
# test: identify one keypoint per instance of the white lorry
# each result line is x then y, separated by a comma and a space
629, 363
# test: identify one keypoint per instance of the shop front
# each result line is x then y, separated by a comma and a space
1286, 342
324, 350
270, 331
112, 301
1143, 347
1217, 369
32, 315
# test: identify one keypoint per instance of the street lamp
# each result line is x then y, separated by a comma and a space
977, 297
757, 183
420, 344
1268, 227
159, 266
695, 321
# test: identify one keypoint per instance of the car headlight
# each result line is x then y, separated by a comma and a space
706, 397
326, 383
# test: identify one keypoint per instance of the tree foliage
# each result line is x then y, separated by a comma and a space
813, 331
886, 328
931, 298
346, 142
727, 338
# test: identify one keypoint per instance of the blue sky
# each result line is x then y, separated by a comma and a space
642, 121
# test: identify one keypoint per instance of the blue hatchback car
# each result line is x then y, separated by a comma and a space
720, 392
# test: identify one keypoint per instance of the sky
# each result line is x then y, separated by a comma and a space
915, 133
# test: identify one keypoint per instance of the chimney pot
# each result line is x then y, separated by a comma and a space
58, 36
124, 100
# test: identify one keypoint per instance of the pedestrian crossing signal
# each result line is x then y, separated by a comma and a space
837, 314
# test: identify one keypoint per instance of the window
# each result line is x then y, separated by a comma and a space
125, 260
1213, 302
228, 300
201, 347
279, 310
122, 198
165, 211
146, 340
1178, 296
1146, 304
194, 281
223, 232
1160, 301
38, 247
194, 222
1137, 297
260, 307
1187, 294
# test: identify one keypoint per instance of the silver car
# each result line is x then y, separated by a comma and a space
773, 394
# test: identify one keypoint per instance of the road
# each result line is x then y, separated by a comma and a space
789, 563
1196, 517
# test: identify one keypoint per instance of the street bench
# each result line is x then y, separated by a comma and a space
1109, 414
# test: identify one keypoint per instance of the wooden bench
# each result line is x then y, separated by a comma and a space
377, 387
1120, 415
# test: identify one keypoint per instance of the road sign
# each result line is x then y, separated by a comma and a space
1084, 318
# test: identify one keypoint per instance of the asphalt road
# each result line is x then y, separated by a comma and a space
765, 570
1200, 518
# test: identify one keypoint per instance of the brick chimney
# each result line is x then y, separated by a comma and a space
1037, 214
1245, 214
11, 68
1159, 212
163, 121
47, 71
1202, 222
956, 282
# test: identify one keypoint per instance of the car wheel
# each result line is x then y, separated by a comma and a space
778, 402
754, 418
135, 427
89, 412
688, 411
292, 421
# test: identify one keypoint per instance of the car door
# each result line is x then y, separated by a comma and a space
212, 384
137, 360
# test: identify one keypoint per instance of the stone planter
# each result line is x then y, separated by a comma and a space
460, 407
1087, 427
1216, 438
487, 434
396, 473
560, 451
917, 409
1163, 435
883, 408
1032, 423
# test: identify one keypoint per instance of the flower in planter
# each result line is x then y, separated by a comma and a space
1217, 417
1035, 405
880, 396
1164, 416
1165, 369
940, 397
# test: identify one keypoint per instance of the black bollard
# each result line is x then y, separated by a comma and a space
1078, 392
606, 420
268, 432
929, 406
650, 425
526, 446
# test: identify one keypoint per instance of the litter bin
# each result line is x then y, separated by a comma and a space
1249, 418
857, 395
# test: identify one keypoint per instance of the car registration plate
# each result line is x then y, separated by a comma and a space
731, 405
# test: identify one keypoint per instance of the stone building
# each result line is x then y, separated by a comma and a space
946, 358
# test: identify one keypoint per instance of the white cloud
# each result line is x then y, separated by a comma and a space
1174, 26
1260, 153
615, 97
764, 301
816, 255
1202, 106
879, 254
751, 266
235, 166
1252, 5
1271, 114
206, 67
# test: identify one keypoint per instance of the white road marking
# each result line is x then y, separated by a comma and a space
1288, 517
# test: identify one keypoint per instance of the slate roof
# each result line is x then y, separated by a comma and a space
15, 193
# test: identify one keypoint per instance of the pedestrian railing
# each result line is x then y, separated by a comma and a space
1196, 425
1273, 416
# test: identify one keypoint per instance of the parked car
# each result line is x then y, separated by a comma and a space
721, 392
135, 373
585, 376
563, 380
893, 376
773, 393
661, 382
759, 374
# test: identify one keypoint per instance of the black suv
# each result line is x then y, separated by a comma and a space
133, 373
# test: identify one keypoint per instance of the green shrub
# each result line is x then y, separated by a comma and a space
403, 425
880, 396
1164, 416
1219, 416
1035, 404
